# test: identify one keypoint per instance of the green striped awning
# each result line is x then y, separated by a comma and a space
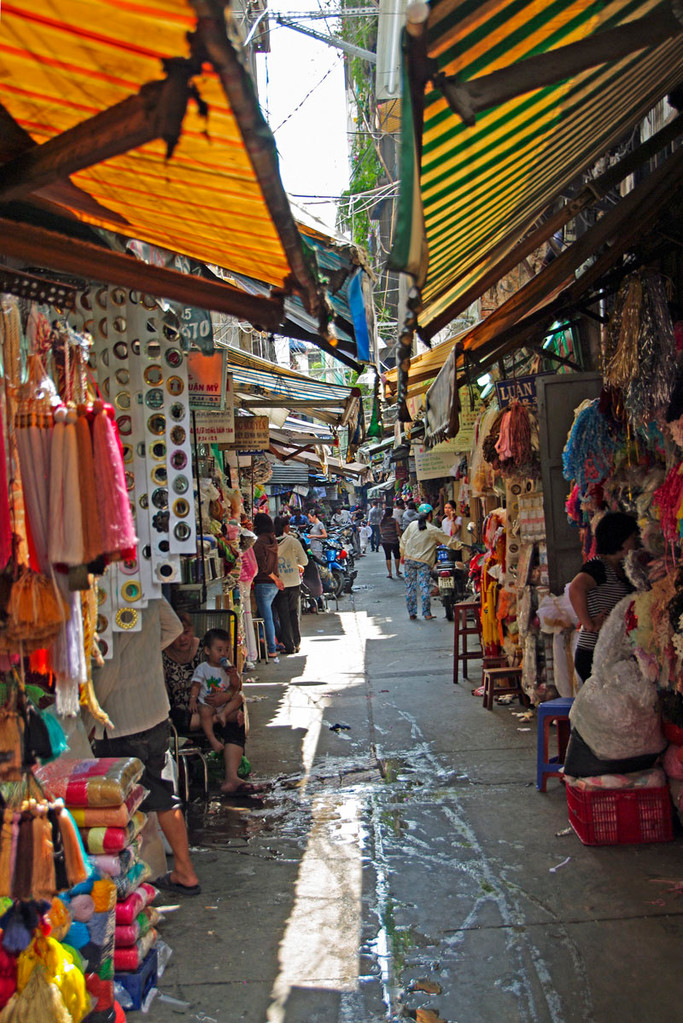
482, 186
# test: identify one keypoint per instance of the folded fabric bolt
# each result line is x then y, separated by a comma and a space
126, 959
132, 906
113, 840
109, 816
654, 778
128, 882
106, 781
115, 864
127, 934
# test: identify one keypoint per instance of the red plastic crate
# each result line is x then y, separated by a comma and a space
620, 816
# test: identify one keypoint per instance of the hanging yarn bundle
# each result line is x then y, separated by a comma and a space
669, 499
588, 455
515, 447
644, 360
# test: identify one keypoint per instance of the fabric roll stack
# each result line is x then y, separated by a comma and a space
104, 796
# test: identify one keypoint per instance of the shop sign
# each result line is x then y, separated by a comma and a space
522, 389
401, 472
252, 433
197, 329
471, 405
206, 380
217, 427
433, 463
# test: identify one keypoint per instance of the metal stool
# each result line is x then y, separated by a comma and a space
462, 629
181, 753
261, 641
551, 710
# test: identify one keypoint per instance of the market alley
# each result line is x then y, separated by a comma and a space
404, 859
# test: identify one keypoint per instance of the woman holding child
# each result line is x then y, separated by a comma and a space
195, 707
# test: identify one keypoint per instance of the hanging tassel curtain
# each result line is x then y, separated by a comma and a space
642, 338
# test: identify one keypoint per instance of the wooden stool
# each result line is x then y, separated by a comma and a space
500, 682
558, 711
463, 629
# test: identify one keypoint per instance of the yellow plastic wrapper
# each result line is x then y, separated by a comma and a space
48, 957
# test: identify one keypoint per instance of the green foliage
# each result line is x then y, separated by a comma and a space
366, 168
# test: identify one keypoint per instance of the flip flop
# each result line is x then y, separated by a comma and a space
429, 618
245, 789
165, 884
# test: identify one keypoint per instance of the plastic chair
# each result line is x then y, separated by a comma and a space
547, 766
181, 753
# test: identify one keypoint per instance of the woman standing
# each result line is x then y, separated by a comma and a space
389, 535
450, 523
266, 581
418, 552
601, 583
292, 560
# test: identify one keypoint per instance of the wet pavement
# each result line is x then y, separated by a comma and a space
404, 865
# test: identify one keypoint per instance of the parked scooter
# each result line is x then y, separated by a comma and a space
450, 575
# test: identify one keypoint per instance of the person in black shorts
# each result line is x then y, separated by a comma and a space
389, 535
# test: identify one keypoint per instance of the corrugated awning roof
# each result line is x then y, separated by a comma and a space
219, 198
263, 385
482, 185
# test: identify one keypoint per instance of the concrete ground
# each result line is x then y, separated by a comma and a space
406, 866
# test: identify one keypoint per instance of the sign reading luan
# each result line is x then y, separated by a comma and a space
206, 380
521, 389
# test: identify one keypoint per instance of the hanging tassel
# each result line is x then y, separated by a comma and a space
5, 516
74, 854
21, 882
88, 696
116, 520
61, 879
43, 882
90, 499
66, 530
6, 853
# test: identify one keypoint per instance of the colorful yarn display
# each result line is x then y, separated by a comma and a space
588, 456
669, 499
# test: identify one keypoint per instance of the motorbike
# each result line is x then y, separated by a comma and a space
450, 575
340, 564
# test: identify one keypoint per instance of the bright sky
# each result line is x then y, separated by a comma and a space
301, 90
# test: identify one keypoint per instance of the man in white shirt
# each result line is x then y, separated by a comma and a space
374, 519
131, 690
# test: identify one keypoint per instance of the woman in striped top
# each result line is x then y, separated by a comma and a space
601, 583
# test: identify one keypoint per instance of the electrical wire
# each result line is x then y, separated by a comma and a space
308, 95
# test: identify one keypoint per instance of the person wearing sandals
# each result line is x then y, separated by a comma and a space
389, 535
418, 546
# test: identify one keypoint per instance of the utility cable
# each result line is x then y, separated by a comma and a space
308, 95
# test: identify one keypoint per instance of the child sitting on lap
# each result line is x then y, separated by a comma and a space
216, 678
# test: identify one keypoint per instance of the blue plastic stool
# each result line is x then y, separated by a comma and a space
545, 765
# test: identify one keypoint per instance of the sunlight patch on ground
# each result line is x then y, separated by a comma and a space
320, 947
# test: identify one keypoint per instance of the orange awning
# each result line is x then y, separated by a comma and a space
219, 198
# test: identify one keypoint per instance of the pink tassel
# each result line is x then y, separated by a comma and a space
116, 520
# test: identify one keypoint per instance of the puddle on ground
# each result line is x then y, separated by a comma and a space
280, 827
